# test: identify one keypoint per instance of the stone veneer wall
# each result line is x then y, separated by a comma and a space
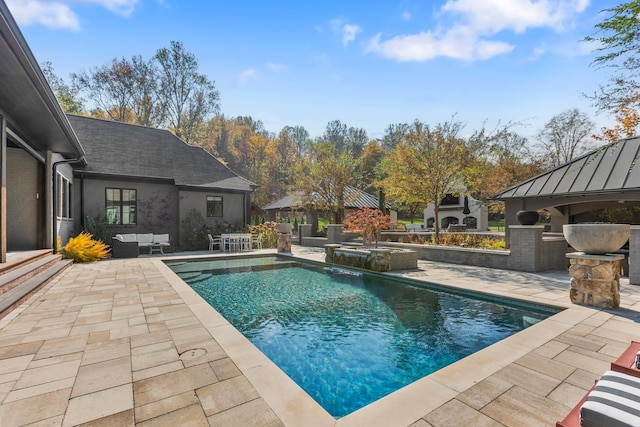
595, 280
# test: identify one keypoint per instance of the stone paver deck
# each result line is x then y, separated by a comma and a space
125, 342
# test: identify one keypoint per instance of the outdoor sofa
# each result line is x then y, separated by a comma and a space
129, 245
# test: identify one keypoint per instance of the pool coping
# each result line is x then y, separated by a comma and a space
402, 407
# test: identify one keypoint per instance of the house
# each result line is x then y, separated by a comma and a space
457, 208
37, 148
143, 180
58, 170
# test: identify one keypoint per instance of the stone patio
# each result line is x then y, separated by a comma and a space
125, 342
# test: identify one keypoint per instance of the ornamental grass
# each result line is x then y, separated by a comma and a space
83, 248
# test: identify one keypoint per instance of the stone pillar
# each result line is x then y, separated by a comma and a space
526, 248
595, 279
304, 230
335, 233
634, 255
284, 242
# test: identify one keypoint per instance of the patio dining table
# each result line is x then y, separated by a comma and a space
239, 241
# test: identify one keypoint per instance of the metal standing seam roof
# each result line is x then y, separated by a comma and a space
354, 199
133, 151
610, 168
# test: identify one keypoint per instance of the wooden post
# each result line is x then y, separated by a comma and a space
3, 189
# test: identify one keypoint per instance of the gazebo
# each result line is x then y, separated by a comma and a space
605, 177
354, 199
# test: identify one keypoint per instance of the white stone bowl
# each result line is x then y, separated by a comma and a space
596, 239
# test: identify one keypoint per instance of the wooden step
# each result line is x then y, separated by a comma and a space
18, 294
14, 277
15, 261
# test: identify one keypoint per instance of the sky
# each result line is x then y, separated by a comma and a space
367, 63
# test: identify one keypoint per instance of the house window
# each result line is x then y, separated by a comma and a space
214, 206
120, 206
64, 197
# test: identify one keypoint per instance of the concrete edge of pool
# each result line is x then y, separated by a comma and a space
295, 407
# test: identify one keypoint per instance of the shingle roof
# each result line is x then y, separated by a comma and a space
608, 169
121, 149
354, 199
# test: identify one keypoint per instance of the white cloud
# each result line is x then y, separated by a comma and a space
49, 14
59, 13
347, 32
473, 33
427, 45
247, 75
492, 16
406, 16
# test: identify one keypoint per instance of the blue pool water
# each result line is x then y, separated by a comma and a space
349, 339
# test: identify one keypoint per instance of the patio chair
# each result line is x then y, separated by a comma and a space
214, 241
257, 241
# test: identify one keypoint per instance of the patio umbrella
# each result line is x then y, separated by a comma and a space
466, 210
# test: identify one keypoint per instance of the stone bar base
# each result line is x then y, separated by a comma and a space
284, 242
595, 279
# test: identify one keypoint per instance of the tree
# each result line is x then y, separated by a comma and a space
627, 119
368, 165
146, 104
369, 222
189, 98
394, 134
426, 165
110, 87
565, 136
508, 162
618, 41
64, 94
300, 136
323, 177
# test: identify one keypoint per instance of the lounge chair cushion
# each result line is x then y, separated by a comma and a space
161, 239
145, 239
129, 237
613, 402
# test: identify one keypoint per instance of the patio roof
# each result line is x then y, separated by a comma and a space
33, 114
608, 169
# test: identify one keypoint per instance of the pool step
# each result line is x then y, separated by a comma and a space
22, 278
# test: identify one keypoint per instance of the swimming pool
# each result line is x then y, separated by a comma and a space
349, 339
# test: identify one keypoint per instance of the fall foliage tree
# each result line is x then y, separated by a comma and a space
369, 222
427, 164
627, 122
